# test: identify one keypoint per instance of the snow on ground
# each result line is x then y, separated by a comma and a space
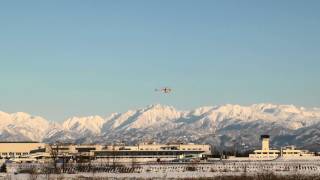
181, 171
145, 175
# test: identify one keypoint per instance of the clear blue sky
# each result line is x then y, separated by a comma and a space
64, 58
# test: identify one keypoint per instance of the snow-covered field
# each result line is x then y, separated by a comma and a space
145, 175
187, 170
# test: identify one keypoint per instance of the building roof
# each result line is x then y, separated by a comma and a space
4, 142
265, 136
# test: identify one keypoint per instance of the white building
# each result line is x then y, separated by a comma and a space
265, 153
153, 152
288, 152
18, 151
10, 150
122, 153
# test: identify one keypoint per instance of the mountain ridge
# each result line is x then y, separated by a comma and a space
225, 126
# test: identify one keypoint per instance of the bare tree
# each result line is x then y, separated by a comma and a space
33, 174
46, 172
113, 156
54, 154
63, 163
133, 163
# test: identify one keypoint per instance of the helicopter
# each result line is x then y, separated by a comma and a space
165, 90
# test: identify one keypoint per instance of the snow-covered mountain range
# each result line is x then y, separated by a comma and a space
227, 126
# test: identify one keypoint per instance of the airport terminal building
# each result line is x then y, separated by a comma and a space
40, 152
18, 149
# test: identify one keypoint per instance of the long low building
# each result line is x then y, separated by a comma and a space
142, 152
154, 152
18, 149
288, 152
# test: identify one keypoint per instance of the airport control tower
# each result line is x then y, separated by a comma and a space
265, 142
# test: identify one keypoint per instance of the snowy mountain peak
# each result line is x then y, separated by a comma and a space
21, 114
20, 125
202, 110
278, 108
155, 114
92, 124
158, 107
